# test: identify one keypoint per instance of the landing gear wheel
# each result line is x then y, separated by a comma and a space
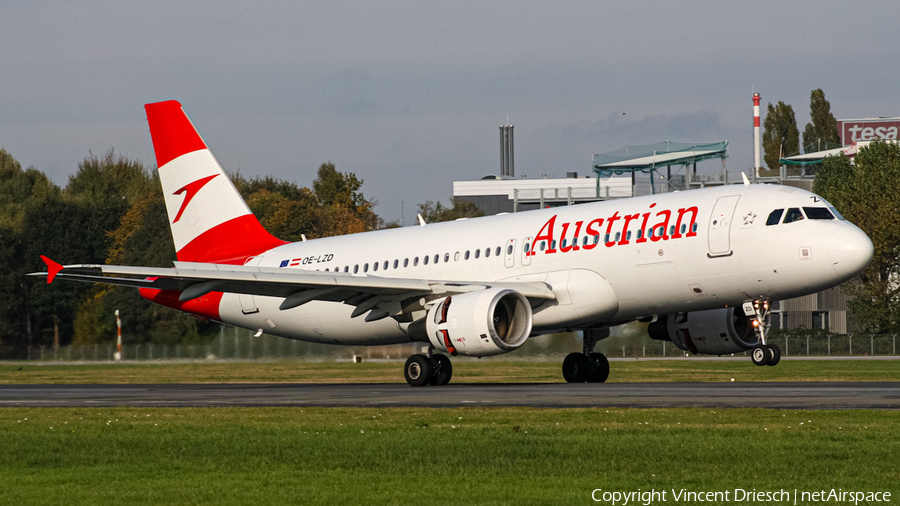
601, 368
774, 354
443, 370
760, 355
576, 368
418, 370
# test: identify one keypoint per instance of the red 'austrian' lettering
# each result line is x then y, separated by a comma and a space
619, 230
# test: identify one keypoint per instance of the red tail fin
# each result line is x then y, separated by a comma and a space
210, 221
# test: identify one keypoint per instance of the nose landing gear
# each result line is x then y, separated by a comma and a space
762, 353
587, 367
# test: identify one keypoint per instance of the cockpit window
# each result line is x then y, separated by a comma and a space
818, 213
774, 217
836, 214
793, 214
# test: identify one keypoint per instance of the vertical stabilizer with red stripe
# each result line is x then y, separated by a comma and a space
210, 221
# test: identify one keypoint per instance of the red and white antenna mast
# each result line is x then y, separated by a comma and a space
756, 144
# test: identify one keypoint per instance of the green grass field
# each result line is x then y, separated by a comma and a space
431, 456
464, 371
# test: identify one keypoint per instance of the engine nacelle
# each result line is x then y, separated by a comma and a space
712, 332
480, 324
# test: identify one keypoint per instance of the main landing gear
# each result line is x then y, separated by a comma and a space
762, 353
587, 367
428, 369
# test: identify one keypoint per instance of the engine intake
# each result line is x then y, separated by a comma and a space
712, 332
480, 324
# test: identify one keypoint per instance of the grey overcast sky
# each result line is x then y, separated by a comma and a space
409, 95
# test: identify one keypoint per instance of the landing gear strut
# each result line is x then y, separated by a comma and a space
587, 366
428, 369
762, 353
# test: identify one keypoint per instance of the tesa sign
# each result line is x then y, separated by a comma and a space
855, 130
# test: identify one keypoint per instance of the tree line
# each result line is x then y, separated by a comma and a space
781, 137
112, 211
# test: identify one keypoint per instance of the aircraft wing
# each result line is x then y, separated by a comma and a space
296, 286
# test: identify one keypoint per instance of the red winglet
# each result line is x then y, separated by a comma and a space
172, 132
53, 268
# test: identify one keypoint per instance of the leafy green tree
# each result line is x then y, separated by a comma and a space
433, 212
780, 135
821, 133
860, 191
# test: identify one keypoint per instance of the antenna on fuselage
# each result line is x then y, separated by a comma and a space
746, 181
421, 220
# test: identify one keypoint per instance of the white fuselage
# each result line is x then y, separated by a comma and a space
708, 249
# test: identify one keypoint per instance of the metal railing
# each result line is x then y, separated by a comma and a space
239, 345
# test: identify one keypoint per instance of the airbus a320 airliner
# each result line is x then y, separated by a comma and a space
699, 265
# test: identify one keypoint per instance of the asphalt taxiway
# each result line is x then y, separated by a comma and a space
881, 395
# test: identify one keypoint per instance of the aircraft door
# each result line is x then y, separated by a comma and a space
510, 253
248, 303
720, 226
528, 244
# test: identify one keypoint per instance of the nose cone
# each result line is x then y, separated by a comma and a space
850, 251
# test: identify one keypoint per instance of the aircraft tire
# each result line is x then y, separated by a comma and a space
576, 368
774, 354
418, 370
760, 355
600, 372
442, 372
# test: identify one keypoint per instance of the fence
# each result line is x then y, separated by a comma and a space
237, 344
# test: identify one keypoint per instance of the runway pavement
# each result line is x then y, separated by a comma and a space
884, 395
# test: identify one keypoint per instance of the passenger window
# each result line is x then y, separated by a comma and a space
477, 253
405, 262
456, 257
356, 269
366, 268
672, 230
436, 257
497, 251
487, 252
628, 236
346, 268
425, 260
596, 239
543, 245
385, 265
446, 257
396, 263
415, 261
466, 256
683, 229
606, 238
818, 213
694, 228
618, 236
553, 244
563, 243
793, 214
774, 217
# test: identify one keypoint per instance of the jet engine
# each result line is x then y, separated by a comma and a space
479, 324
712, 332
